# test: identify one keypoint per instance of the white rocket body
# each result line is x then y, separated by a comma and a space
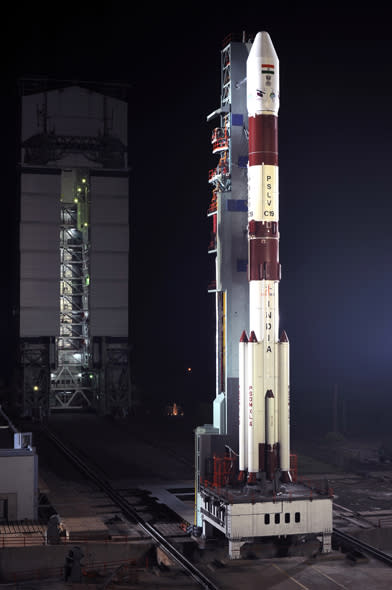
264, 444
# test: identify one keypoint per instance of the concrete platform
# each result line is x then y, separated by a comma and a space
93, 516
174, 496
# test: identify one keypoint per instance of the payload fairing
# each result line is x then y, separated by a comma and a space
263, 359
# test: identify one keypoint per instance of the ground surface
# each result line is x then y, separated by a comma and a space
160, 449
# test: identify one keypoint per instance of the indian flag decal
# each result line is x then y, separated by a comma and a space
267, 69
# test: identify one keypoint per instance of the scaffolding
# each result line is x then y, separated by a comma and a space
72, 383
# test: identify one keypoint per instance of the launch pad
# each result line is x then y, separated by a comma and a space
268, 508
246, 513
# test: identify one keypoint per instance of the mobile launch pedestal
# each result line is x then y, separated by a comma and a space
246, 479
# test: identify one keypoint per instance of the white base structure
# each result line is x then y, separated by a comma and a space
18, 484
245, 519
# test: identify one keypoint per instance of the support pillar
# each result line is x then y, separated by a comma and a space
207, 529
235, 549
326, 543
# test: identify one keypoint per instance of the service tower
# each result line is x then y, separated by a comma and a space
246, 484
74, 243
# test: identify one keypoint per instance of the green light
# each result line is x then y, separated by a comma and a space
87, 281
91, 376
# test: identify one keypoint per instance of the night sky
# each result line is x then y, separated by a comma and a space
335, 131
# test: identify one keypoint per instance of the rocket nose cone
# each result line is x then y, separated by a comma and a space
263, 47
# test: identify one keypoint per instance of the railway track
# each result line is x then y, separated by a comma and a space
130, 513
362, 546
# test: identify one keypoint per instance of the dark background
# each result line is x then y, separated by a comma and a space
335, 130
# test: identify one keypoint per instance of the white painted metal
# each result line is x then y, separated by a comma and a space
276, 389
248, 520
219, 412
262, 98
19, 482
257, 308
264, 310
308, 513
258, 404
263, 193
284, 401
243, 398
252, 459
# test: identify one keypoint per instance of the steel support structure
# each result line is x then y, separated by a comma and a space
228, 252
36, 358
228, 213
111, 362
72, 383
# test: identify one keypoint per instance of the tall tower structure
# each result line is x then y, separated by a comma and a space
228, 214
227, 251
74, 243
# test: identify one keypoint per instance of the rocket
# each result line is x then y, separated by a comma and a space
264, 444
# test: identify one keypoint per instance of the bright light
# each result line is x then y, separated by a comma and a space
84, 180
35, 388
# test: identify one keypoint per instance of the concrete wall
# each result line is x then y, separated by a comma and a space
19, 562
18, 483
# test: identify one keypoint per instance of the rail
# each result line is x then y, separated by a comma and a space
132, 514
362, 546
